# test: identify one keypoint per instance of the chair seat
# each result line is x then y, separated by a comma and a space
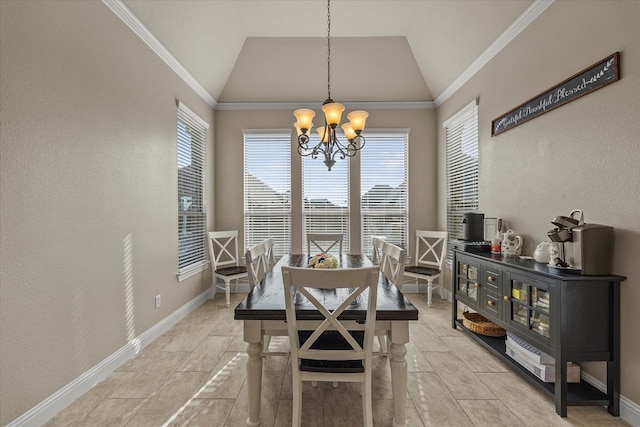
232, 271
332, 340
421, 270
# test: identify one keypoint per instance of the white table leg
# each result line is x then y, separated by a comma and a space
399, 337
253, 335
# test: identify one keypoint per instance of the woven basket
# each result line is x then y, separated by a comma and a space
479, 324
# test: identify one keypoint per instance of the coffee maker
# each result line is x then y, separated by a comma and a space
590, 249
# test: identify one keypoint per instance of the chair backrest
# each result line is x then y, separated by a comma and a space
431, 248
377, 243
324, 242
392, 263
270, 256
223, 248
310, 284
257, 266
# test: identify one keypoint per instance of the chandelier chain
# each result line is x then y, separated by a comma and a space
329, 48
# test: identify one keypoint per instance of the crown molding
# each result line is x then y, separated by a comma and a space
125, 14
408, 105
527, 17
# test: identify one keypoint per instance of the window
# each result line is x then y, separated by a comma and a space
384, 196
192, 215
462, 169
325, 197
267, 188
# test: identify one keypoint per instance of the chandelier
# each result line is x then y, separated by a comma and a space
330, 146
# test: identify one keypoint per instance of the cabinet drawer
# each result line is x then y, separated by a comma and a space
491, 303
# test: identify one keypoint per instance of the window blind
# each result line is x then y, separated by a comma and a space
384, 193
192, 215
267, 188
462, 169
325, 197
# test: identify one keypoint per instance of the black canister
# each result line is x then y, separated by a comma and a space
473, 227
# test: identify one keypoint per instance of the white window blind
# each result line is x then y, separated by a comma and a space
267, 188
462, 168
325, 197
384, 194
192, 215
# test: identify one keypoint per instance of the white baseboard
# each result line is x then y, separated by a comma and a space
51, 406
629, 410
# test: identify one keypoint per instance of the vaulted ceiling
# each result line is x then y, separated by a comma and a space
265, 51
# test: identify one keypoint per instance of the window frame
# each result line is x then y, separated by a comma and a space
462, 172
282, 241
341, 214
400, 238
195, 259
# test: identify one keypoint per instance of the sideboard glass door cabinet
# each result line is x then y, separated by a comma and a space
571, 317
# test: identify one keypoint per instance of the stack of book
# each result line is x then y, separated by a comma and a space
536, 361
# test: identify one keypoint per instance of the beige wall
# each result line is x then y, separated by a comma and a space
229, 160
583, 155
88, 168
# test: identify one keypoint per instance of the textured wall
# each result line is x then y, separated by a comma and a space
583, 155
88, 188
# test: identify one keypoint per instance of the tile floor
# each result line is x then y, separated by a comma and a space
194, 375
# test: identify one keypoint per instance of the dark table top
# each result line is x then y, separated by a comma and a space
266, 300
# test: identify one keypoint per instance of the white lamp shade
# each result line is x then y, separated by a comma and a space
358, 119
305, 118
333, 113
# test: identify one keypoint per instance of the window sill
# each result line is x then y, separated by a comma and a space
187, 272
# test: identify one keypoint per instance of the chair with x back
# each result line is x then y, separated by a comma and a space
270, 256
324, 242
223, 250
377, 243
336, 350
257, 260
392, 268
431, 251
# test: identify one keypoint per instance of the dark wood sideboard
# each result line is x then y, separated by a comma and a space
571, 317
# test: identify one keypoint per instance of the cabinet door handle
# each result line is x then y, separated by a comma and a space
490, 279
476, 285
505, 298
490, 303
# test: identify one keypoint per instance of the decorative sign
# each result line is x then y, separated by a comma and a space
586, 81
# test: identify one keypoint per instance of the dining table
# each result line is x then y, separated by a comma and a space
263, 313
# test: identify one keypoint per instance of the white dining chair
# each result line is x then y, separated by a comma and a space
270, 257
431, 251
223, 250
335, 350
377, 243
324, 242
392, 266
257, 260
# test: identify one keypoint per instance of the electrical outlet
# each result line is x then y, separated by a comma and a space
158, 301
